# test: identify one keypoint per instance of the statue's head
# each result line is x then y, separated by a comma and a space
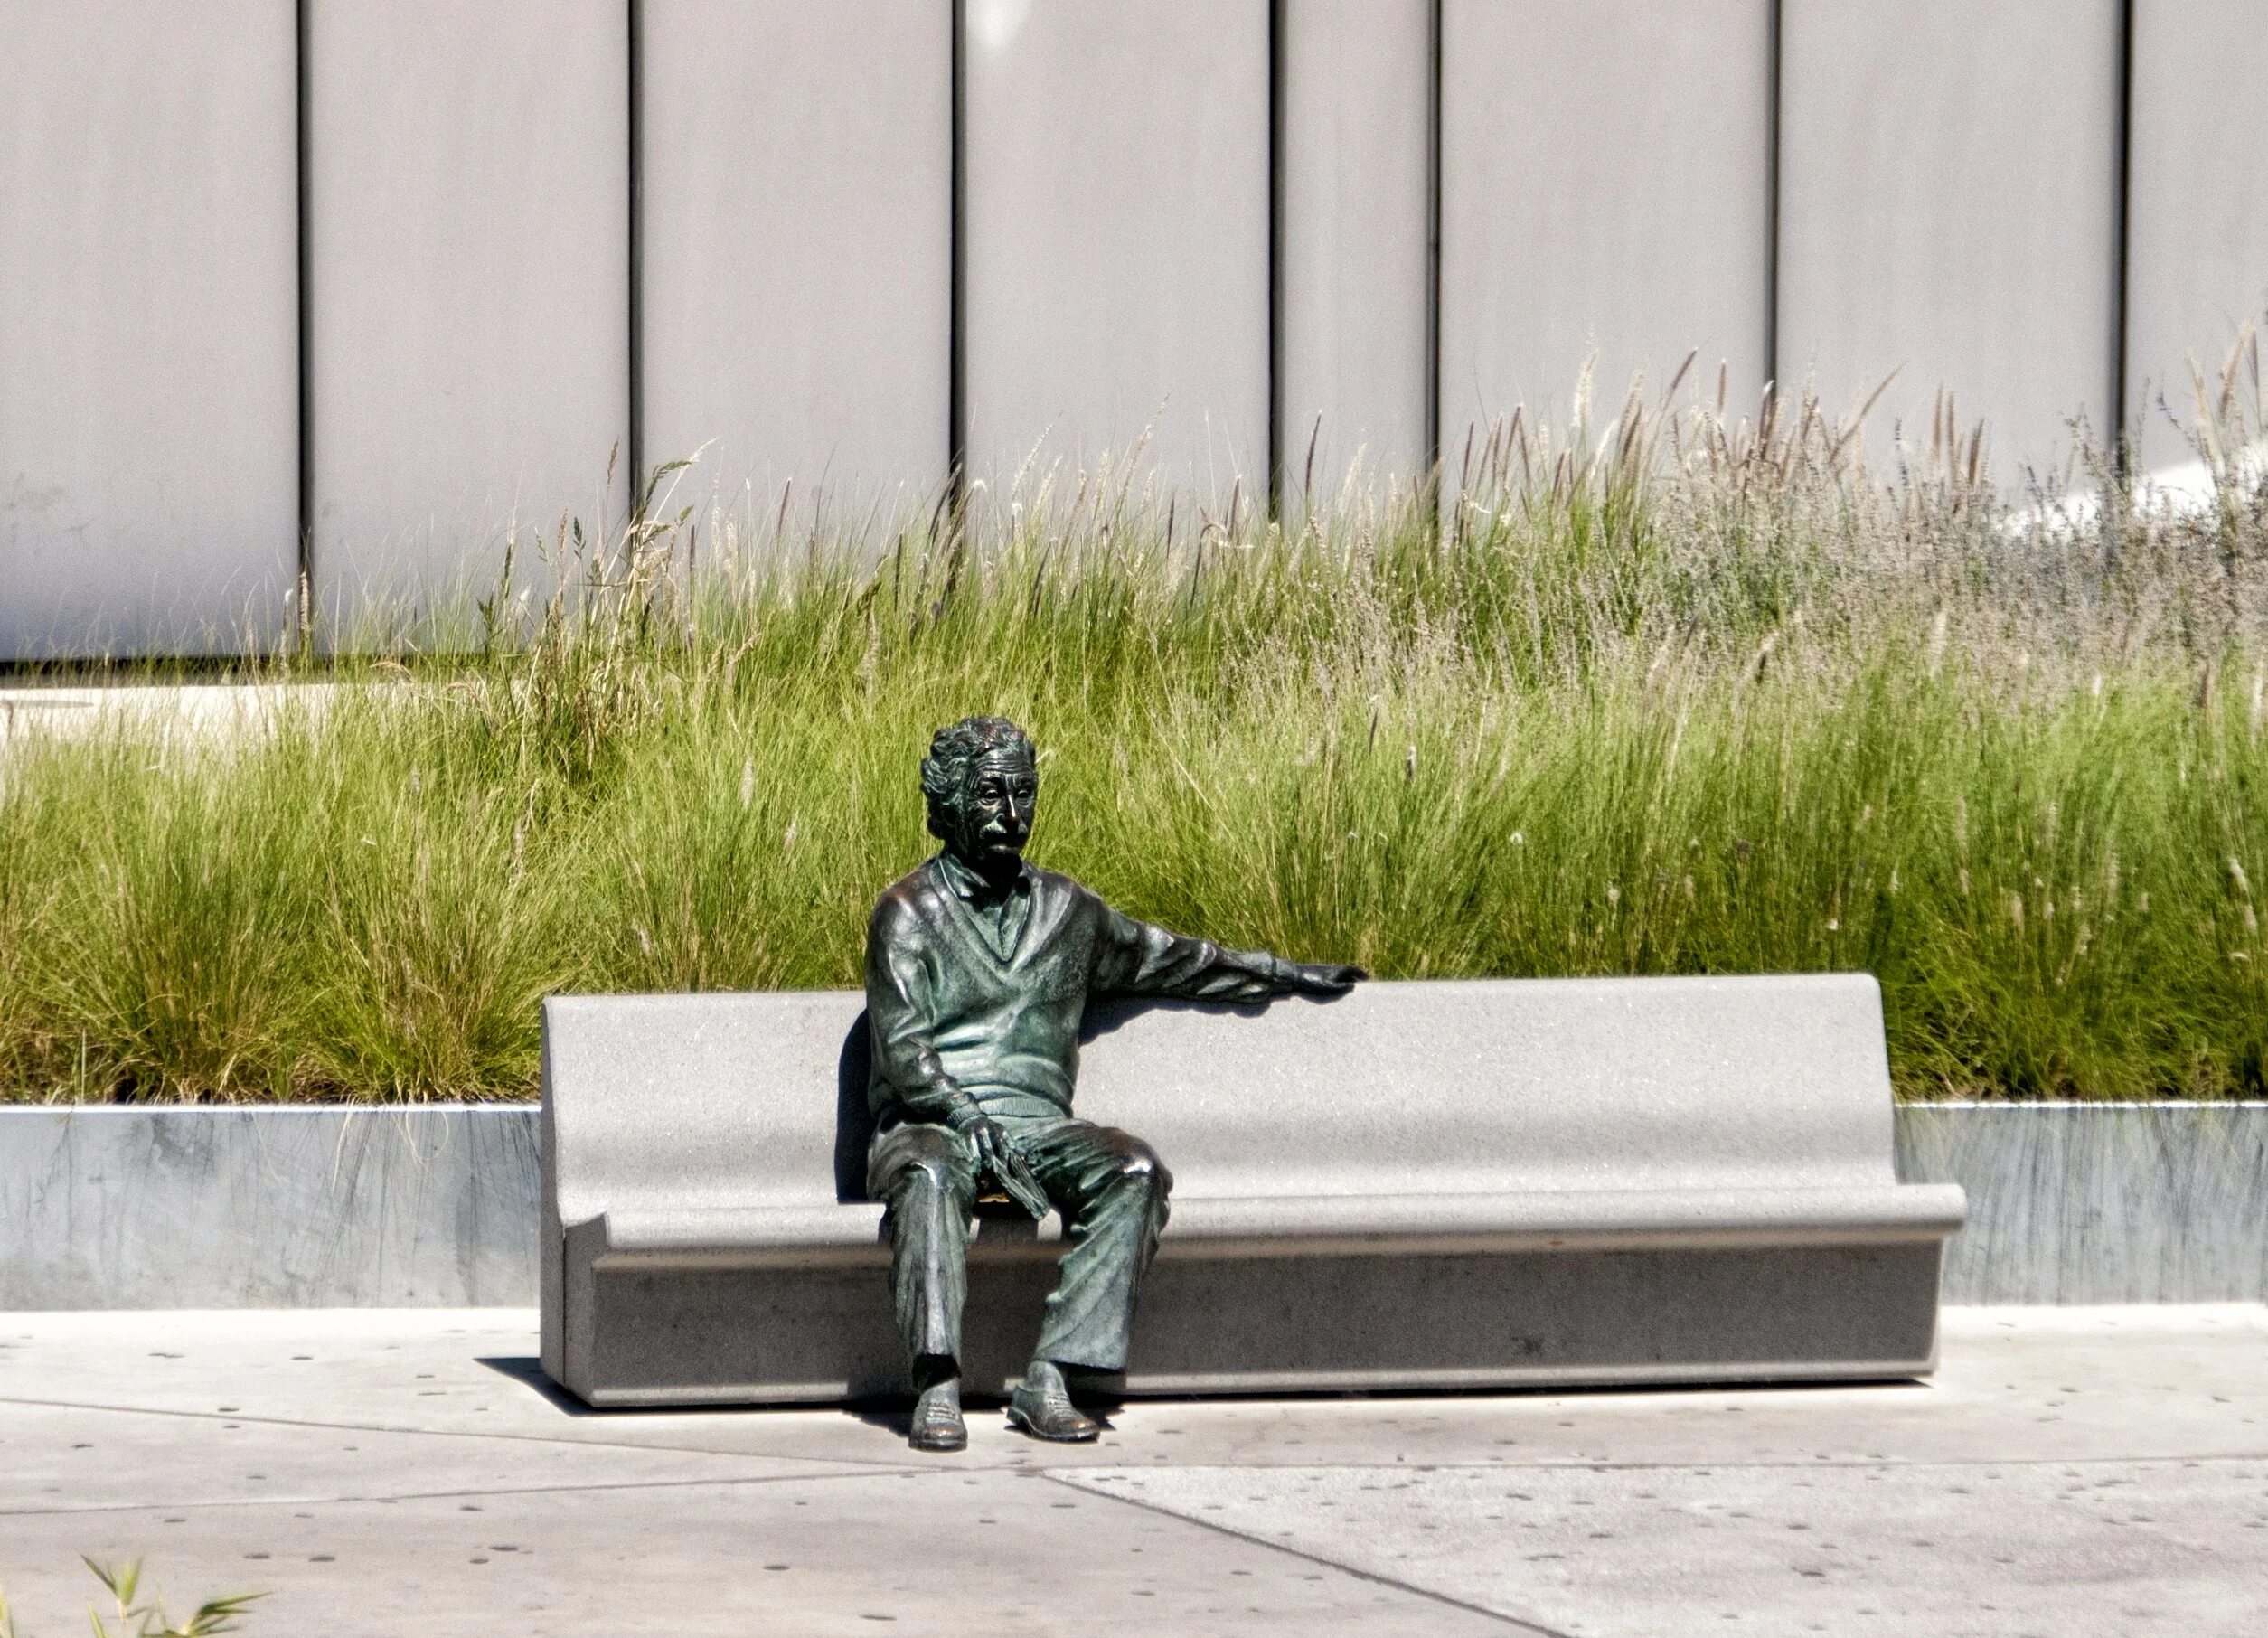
982, 778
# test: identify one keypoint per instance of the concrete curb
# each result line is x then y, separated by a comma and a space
332, 1206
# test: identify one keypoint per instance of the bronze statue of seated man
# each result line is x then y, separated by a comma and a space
978, 967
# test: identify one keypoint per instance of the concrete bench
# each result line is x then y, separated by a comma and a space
1437, 1184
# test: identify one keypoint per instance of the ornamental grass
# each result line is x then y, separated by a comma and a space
1690, 690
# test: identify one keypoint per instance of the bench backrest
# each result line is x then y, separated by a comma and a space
1522, 1084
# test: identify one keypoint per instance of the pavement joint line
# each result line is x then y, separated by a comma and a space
222, 1505
871, 1464
438, 1433
1851, 1463
1514, 1623
876, 1465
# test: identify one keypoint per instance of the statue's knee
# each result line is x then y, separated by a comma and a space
933, 1178
1139, 1166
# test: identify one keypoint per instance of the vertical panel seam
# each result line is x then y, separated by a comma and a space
1277, 20
1776, 59
634, 411
300, 203
2120, 236
1433, 233
957, 271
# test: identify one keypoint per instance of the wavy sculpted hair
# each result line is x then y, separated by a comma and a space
954, 753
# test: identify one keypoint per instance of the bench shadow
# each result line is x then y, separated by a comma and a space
894, 1419
527, 1369
1105, 1399
893, 1411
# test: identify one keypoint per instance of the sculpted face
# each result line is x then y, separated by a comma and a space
992, 819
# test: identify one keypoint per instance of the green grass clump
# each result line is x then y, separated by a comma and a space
1692, 697
138, 1615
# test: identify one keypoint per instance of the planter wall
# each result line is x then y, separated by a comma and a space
436, 1206
2099, 1202
273, 1207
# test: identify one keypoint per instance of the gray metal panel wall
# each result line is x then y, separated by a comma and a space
468, 252
1355, 273
1115, 233
1949, 190
795, 197
1605, 191
149, 418
2198, 244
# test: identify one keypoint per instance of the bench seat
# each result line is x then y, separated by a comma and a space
1295, 1225
1422, 1184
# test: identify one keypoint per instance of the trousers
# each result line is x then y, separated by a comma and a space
1109, 1186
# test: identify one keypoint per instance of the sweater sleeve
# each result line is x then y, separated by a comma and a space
1140, 958
901, 1014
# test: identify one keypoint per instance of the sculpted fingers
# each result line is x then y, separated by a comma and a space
985, 1136
997, 1159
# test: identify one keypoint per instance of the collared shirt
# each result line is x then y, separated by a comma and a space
1004, 911
974, 995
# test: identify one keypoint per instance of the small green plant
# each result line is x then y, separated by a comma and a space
132, 1615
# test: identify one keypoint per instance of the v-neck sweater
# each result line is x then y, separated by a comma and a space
961, 1028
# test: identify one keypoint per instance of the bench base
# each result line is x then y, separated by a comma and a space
692, 1334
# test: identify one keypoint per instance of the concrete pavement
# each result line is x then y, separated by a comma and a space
2072, 1471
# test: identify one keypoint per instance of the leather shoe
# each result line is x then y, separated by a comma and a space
938, 1423
1041, 1406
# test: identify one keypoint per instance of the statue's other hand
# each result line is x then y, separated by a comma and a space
988, 1144
1004, 1166
1325, 978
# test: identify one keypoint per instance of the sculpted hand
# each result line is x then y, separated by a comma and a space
1311, 978
996, 1160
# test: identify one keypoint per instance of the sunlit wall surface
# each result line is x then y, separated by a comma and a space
150, 373
358, 289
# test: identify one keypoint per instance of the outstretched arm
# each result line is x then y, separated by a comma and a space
1139, 958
